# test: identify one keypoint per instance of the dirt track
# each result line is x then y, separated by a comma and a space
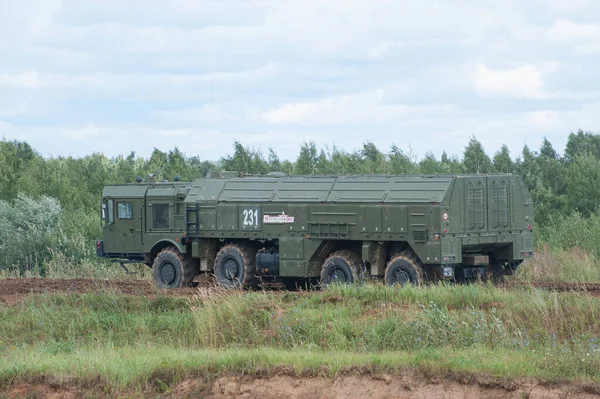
408, 385
13, 290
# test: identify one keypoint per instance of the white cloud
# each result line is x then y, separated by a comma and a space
245, 75
337, 110
381, 49
521, 82
32, 79
569, 30
203, 114
584, 36
84, 133
543, 119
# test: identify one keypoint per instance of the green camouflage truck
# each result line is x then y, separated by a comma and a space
248, 230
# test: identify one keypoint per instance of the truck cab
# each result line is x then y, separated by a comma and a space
138, 220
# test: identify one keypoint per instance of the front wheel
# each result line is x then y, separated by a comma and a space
171, 269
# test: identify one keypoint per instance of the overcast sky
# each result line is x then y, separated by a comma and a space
78, 76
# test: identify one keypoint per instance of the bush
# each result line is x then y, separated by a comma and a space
29, 228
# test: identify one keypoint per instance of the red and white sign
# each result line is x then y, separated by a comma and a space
445, 215
278, 219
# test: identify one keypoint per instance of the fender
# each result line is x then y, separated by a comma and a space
167, 242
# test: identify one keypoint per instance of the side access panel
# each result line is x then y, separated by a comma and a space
227, 217
291, 257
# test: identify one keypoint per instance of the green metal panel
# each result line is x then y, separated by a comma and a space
499, 209
291, 252
476, 204
395, 219
344, 189
124, 191
227, 217
208, 217
370, 219
205, 190
303, 189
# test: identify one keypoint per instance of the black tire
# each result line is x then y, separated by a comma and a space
342, 267
172, 269
235, 267
404, 268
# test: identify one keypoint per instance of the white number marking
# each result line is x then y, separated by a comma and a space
250, 217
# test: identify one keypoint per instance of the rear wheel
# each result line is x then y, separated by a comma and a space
235, 267
342, 267
171, 269
404, 268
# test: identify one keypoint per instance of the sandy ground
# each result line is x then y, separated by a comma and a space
408, 386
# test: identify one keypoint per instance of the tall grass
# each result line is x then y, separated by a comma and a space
124, 339
561, 265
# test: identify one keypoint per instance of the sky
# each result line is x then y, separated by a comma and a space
115, 76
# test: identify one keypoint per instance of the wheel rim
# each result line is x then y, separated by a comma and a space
231, 270
400, 277
337, 275
168, 273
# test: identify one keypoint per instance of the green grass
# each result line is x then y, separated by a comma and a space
561, 265
141, 366
126, 341
63, 266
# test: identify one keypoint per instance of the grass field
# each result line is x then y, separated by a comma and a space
130, 342
149, 344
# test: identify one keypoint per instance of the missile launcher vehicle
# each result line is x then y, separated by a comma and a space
248, 230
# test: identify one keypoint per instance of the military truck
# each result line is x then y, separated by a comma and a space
248, 230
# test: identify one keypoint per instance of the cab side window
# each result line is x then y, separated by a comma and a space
160, 216
125, 210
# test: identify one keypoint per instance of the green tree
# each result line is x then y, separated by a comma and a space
372, 160
245, 160
430, 165
475, 159
451, 165
583, 184
400, 163
502, 161
581, 143
307, 160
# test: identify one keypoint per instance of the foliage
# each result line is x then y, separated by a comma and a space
562, 186
28, 229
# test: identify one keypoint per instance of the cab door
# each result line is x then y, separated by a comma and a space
128, 225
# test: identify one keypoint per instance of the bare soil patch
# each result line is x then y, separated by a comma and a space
411, 385
13, 290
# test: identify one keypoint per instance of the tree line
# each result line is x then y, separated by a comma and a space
561, 184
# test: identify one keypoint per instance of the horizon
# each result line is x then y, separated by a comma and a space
265, 151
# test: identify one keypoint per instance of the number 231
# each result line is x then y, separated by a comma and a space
250, 217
